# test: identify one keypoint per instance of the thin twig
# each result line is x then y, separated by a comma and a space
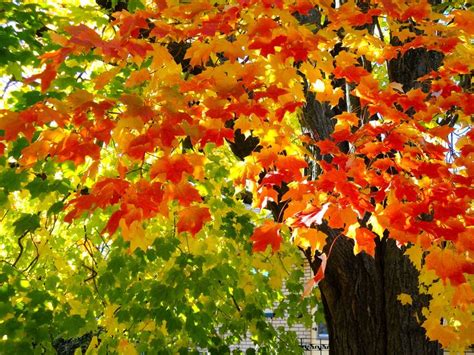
1, 220
283, 265
33, 262
21, 248
235, 303
379, 28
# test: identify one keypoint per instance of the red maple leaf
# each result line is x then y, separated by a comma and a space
217, 136
266, 47
139, 146
114, 220
288, 107
302, 6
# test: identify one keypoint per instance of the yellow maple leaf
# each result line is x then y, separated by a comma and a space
404, 298
92, 348
445, 334
309, 237
376, 227
415, 254
161, 57
135, 234
126, 348
310, 72
109, 321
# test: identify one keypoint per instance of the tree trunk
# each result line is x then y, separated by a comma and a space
362, 312
359, 293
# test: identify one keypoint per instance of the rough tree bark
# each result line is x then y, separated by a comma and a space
359, 293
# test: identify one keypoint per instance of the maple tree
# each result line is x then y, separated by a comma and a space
138, 133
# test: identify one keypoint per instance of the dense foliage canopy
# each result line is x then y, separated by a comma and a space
143, 147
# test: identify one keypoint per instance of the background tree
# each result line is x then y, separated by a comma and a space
129, 157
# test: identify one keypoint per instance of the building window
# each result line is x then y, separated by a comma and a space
323, 331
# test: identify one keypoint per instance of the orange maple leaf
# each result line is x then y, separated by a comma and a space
76, 148
198, 53
351, 73
341, 217
464, 20
184, 192
268, 234
365, 241
192, 219
171, 168
84, 36
448, 265
137, 78
104, 78
46, 76
262, 27
463, 296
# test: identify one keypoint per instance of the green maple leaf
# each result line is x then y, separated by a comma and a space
11, 181
37, 187
27, 222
